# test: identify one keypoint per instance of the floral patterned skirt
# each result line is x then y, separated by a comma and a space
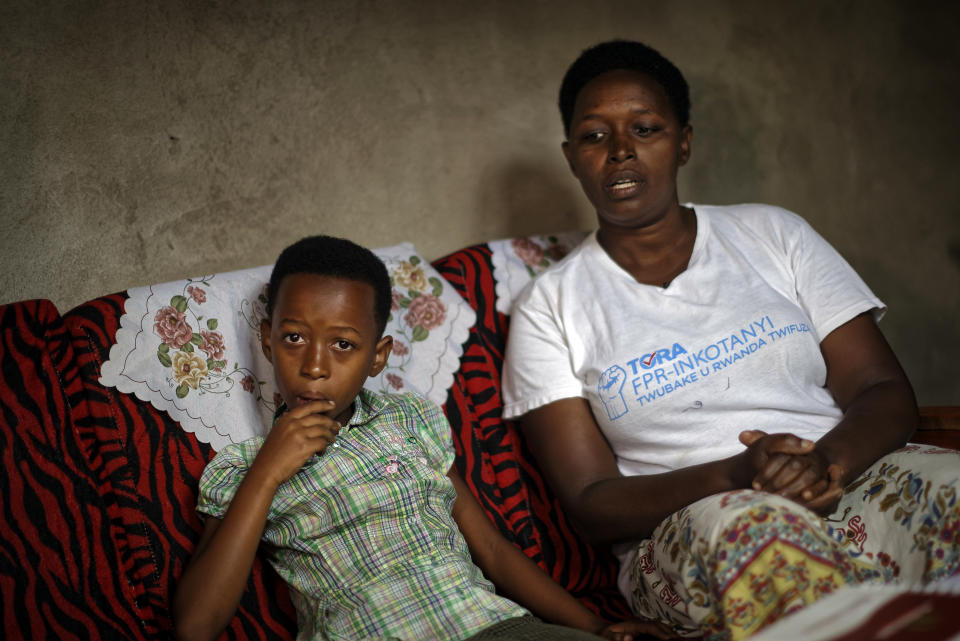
730, 564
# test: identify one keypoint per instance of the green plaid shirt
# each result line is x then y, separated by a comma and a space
363, 534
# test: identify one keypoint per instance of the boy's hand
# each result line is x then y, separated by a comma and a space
295, 437
803, 475
637, 629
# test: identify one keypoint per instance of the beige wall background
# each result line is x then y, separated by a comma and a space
145, 142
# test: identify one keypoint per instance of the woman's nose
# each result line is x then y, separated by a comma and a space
315, 363
621, 148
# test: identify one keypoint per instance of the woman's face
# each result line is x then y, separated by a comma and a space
625, 147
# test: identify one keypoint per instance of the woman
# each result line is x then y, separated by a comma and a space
700, 384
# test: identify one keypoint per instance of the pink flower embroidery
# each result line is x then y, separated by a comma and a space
212, 344
400, 349
395, 381
172, 327
528, 251
395, 298
427, 311
248, 383
197, 294
392, 465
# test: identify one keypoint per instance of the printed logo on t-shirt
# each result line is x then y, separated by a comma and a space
663, 371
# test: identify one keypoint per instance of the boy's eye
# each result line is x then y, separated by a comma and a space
343, 345
592, 136
293, 337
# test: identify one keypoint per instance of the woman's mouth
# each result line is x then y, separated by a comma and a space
623, 186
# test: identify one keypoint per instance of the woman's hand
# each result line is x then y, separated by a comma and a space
793, 468
295, 437
635, 630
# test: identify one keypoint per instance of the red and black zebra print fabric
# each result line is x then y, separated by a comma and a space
498, 467
99, 490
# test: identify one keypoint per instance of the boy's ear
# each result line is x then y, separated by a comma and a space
265, 339
384, 346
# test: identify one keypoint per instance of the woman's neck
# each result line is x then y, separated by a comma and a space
654, 254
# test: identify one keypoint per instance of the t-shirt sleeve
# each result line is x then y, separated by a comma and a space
222, 475
537, 366
828, 288
433, 432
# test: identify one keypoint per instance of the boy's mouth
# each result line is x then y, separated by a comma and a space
303, 399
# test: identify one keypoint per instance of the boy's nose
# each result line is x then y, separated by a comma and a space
315, 363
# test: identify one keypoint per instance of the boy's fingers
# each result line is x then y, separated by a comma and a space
313, 407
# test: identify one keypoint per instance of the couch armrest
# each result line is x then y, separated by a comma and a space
939, 425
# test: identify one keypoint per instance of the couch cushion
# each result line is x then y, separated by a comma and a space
58, 577
147, 469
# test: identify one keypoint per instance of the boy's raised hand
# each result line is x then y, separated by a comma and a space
295, 437
793, 468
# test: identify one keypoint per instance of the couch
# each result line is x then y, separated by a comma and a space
99, 485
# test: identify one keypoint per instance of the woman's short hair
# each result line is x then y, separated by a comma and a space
623, 54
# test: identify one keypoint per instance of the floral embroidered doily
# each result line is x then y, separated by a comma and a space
192, 347
517, 260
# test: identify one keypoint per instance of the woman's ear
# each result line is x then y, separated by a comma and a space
686, 136
384, 347
565, 146
265, 339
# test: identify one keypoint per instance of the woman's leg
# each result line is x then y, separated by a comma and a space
903, 515
732, 563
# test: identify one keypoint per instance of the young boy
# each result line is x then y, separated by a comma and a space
352, 491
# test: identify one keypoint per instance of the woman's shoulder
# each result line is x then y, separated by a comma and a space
749, 215
567, 272
767, 225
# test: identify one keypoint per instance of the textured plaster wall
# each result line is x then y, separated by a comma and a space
144, 142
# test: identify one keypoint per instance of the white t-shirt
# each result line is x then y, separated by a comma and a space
674, 375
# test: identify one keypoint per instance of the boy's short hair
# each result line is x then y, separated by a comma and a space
623, 54
339, 258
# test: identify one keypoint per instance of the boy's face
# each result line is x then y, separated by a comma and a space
322, 341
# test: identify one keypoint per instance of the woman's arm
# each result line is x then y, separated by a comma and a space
878, 403
608, 507
879, 415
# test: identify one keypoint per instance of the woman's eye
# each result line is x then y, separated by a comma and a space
643, 131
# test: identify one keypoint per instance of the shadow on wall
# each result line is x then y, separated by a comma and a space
525, 197
922, 329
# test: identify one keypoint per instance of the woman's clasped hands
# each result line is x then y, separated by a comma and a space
794, 468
